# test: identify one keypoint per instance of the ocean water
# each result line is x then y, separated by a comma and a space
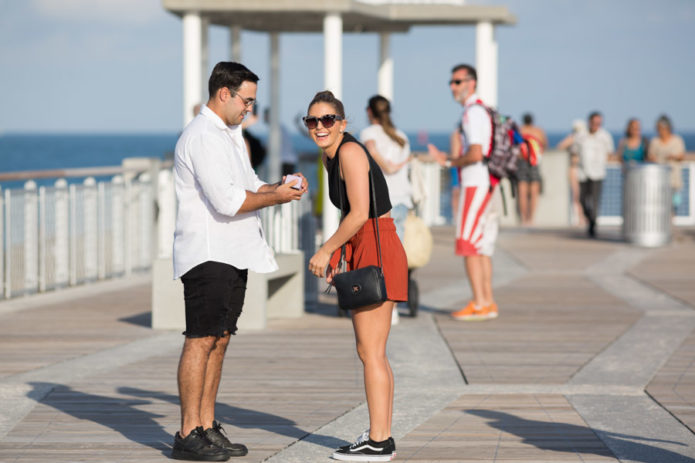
20, 152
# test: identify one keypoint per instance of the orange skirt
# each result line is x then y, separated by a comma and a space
361, 251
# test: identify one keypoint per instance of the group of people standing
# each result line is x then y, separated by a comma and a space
591, 148
219, 238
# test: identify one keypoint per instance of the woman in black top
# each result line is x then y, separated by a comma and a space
348, 165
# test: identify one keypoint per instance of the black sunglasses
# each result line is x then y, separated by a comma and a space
327, 120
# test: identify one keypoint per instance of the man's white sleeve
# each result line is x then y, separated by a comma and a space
477, 126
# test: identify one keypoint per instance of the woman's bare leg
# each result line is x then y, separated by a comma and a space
372, 326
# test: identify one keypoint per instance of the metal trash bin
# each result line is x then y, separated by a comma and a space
647, 205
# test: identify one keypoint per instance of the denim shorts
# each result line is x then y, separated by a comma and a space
214, 294
525, 172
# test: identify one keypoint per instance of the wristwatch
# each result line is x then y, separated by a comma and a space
447, 163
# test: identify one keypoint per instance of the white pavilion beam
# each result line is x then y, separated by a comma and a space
486, 62
204, 58
192, 44
385, 72
275, 138
235, 43
333, 81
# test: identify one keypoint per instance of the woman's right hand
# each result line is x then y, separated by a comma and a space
319, 262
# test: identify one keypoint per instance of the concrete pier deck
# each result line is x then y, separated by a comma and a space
591, 360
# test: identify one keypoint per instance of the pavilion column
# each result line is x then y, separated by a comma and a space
204, 58
275, 138
333, 70
385, 73
486, 62
235, 43
192, 59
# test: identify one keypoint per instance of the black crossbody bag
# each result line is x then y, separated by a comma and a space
365, 286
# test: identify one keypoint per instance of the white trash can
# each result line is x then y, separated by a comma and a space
647, 205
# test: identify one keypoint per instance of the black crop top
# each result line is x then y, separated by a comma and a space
336, 185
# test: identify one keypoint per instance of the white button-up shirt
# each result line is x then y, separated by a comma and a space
212, 174
593, 150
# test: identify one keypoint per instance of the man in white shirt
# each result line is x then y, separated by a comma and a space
592, 148
218, 238
476, 223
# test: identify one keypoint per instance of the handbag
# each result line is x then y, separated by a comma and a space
417, 241
364, 286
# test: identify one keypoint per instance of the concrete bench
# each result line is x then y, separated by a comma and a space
279, 294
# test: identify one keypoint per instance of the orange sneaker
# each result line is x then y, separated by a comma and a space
470, 313
491, 311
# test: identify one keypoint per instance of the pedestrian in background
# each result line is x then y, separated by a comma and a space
528, 172
476, 221
668, 148
633, 147
391, 150
593, 148
567, 143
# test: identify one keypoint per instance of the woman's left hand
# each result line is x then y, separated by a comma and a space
319, 262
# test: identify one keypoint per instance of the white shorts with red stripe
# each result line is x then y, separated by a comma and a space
476, 223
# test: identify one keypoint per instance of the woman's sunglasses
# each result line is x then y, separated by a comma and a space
327, 121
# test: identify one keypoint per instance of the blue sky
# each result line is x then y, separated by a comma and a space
115, 65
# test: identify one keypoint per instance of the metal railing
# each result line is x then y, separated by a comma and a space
115, 221
62, 235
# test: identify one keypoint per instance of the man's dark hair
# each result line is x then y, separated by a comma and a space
594, 114
469, 69
231, 75
527, 119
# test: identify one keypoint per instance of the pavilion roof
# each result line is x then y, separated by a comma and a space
308, 15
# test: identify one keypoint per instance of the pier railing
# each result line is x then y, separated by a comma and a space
64, 233
64, 228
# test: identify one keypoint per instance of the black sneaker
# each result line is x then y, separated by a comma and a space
197, 447
367, 450
216, 435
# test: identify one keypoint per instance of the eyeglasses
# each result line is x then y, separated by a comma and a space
247, 101
327, 120
459, 81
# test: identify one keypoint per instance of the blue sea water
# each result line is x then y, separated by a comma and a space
19, 152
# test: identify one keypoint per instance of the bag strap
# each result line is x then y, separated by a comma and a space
376, 219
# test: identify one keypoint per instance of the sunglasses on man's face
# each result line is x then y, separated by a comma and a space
458, 81
327, 121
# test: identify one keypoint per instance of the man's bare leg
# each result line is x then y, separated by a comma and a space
476, 277
213, 374
191, 379
486, 265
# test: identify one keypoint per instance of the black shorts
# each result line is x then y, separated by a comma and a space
214, 294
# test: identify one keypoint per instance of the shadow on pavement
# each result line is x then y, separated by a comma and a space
117, 413
556, 437
245, 418
140, 426
141, 319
